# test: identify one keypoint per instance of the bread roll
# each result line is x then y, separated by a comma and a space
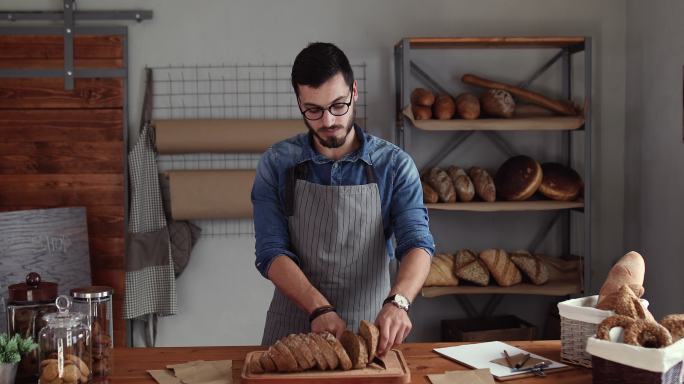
440, 182
465, 190
422, 97
497, 103
501, 267
531, 266
518, 178
441, 271
468, 106
429, 194
630, 271
444, 107
474, 272
560, 182
484, 185
675, 324
421, 113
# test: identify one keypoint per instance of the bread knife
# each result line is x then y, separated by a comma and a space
379, 362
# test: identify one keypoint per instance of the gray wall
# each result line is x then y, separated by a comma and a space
222, 297
654, 151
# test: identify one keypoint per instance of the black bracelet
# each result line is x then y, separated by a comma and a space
320, 311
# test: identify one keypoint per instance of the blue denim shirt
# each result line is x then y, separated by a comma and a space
401, 194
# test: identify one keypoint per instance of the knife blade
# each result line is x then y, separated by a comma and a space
379, 362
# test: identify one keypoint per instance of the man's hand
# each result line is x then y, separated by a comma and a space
394, 324
330, 322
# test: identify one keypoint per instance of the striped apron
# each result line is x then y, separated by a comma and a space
337, 233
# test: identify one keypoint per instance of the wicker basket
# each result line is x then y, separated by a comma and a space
579, 321
619, 363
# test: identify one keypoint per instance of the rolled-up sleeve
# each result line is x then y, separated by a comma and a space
270, 223
408, 215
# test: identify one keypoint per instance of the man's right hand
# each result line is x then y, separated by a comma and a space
330, 322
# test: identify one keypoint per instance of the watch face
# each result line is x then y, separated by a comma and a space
402, 301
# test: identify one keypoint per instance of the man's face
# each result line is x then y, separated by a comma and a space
330, 131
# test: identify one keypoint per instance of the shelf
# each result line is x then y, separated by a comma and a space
498, 206
546, 123
551, 288
495, 42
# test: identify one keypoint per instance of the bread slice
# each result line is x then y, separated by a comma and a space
474, 272
345, 361
311, 352
282, 357
267, 362
531, 266
328, 354
356, 349
441, 271
463, 257
371, 335
501, 267
295, 346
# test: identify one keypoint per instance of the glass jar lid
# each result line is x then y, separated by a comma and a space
32, 291
63, 318
93, 292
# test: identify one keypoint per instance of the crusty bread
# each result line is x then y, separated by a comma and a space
497, 103
501, 267
423, 97
518, 178
484, 185
345, 361
267, 363
468, 106
463, 257
355, 348
429, 194
560, 182
444, 107
465, 190
630, 271
371, 335
440, 182
328, 353
531, 266
474, 272
316, 352
421, 113
441, 271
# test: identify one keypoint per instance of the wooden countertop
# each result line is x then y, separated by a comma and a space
131, 364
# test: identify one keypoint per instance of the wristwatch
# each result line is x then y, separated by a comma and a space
399, 300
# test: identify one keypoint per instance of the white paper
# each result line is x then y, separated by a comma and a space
480, 355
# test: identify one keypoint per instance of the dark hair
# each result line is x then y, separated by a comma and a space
319, 62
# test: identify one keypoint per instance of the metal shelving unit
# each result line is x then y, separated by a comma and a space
571, 129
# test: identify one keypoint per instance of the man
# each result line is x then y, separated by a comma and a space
325, 206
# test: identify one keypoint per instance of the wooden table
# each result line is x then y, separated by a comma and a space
131, 364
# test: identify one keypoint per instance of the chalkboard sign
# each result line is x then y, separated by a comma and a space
52, 242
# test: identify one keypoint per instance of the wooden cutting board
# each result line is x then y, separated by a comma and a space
397, 372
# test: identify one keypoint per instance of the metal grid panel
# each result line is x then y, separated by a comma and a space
237, 91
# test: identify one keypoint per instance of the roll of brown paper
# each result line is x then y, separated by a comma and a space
215, 194
222, 135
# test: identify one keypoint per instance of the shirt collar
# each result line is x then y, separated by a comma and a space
309, 153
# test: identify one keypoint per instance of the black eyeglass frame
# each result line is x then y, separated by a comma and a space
329, 109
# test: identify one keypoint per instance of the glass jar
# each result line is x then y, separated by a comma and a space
96, 304
63, 346
28, 303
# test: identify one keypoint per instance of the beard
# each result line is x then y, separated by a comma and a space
332, 141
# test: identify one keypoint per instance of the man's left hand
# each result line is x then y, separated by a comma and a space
394, 325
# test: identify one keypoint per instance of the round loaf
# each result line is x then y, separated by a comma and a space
560, 182
422, 96
440, 182
518, 178
421, 113
444, 107
468, 106
484, 185
497, 103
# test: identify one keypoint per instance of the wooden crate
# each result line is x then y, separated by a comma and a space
506, 327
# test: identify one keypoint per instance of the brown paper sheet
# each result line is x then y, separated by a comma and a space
221, 194
222, 135
475, 376
196, 372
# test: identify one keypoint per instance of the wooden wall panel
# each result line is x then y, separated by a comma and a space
66, 148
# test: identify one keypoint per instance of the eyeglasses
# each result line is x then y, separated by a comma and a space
335, 109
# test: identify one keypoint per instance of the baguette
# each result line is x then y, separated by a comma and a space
629, 270
557, 106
